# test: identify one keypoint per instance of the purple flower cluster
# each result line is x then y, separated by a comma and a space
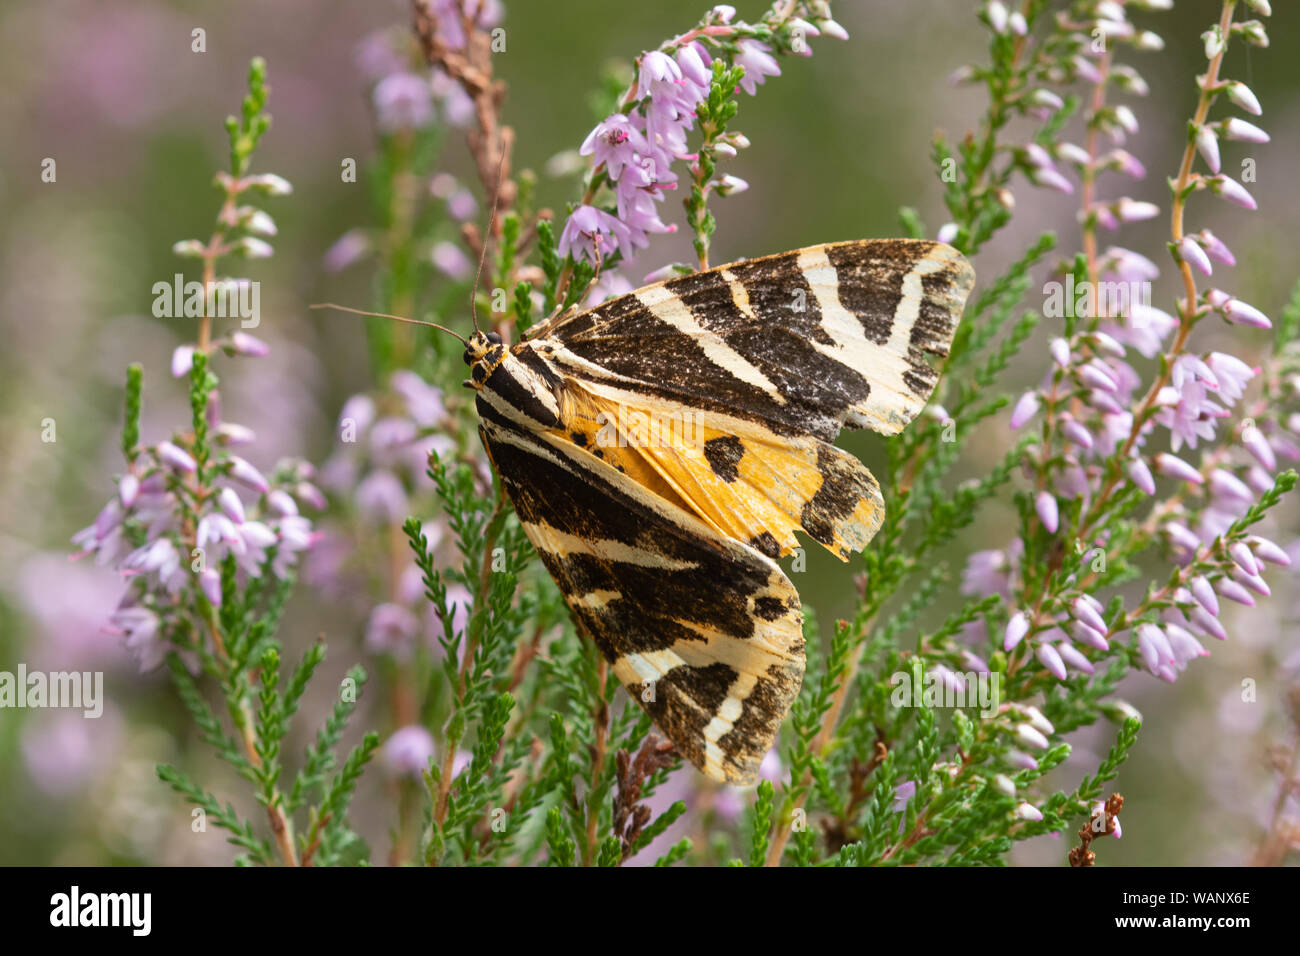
168, 534
635, 149
1102, 420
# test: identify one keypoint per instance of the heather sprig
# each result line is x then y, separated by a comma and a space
208, 569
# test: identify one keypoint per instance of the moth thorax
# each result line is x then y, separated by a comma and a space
522, 392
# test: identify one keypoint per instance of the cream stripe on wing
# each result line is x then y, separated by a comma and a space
725, 719
561, 544
668, 307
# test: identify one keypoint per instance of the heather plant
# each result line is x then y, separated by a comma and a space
934, 722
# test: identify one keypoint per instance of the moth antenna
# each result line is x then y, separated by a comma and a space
385, 315
487, 237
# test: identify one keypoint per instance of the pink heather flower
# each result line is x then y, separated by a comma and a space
1204, 594
694, 61
1043, 176
1050, 658
1076, 433
1269, 551
230, 434
1093, 637
615, 142
1241, 95
1088, 614
247, 475
391, 630
1232, 191
1241, 555
1224, 484
182, 361
1231, 373
244, 344
1190, 251
1060, 350
1017, 628
947, 232
1207, 144
423, 401
403, 101
758, 62
1242, 131
903, 793
210, 582
1233, 591
1025, 409
1132, 210
408, 751
1208, 623
1215, 248
1045, 505
1022, 760
349, 248
1028, 812
1240, 313
1173, 467
1072, 658
989, 572
1184, 644
449, 259
176, 458
589, 225
1255, 443
229, 502
139, 629
1252, 581
1140, 475
128, 488
1030, 736
1154, 646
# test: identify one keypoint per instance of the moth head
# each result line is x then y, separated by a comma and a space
483, 352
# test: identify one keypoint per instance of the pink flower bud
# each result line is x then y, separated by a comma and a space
1242, 131
231, 505
1232, 191
1207, 144
1017, 628
1026, 407
244, 344
1190, 251
1265, 549
1048, 514
1140, 475
246, 474
1204, 594
1240, 554
1049, 657
1241, 94
176, 458
1073, 658
1234, 592
182, 360
1171, 466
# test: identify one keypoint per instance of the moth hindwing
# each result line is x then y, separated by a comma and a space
662, 449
